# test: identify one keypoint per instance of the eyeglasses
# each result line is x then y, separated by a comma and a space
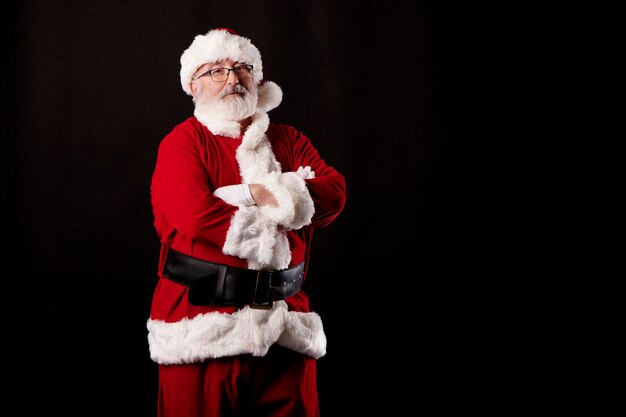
220, 74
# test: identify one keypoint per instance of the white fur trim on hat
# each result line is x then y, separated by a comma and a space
215, 45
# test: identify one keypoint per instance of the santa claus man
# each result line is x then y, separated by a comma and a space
236, 200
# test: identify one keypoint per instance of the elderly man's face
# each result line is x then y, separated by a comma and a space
226, 89
222, 94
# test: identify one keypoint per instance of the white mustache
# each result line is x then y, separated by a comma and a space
234, 89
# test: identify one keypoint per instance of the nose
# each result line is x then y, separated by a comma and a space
232, 77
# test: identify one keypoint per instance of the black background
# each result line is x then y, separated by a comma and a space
397, 95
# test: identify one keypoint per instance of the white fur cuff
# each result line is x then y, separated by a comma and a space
295, 205
303, 207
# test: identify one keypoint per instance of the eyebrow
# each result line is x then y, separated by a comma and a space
221, 64
213, 65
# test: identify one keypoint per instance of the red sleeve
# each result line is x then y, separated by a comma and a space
180, 191
327, 189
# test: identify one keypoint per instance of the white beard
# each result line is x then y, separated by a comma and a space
234, 108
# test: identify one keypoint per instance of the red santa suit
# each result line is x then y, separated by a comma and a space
216, 357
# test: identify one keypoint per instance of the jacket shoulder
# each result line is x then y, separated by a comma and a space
283, 132
190, 129
191, 126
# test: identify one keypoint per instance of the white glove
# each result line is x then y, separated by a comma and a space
236, 195
305, 173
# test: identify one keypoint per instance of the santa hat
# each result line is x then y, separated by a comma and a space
215, 45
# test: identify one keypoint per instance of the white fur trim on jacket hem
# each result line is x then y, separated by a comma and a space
246, 331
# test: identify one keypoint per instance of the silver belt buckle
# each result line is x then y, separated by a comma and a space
267, 305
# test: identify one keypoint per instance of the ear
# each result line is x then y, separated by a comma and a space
192, 87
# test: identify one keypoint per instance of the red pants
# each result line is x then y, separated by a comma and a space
280, 384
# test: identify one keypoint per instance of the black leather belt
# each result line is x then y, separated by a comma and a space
225, 285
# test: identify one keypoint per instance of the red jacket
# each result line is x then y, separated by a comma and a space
192, 163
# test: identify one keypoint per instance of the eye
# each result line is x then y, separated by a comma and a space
242, 69
217, 71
